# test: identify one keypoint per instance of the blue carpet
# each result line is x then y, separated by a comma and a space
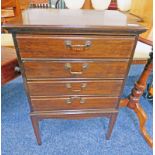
71, 137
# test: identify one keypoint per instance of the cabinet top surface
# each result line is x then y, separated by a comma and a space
65, 19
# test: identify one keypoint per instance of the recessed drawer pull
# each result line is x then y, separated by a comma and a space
69, 45
70, 100
68, 67
83, 86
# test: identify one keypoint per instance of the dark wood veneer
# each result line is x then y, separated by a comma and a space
97, 87
55, 45
80, 78
96, 68
55, 103
9, 64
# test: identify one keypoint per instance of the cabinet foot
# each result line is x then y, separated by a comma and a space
35, 124
111, 125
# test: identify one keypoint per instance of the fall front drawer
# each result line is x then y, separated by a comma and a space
94, 87
49, 46
72, 103
78, 69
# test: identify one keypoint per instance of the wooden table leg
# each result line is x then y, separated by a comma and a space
133, 103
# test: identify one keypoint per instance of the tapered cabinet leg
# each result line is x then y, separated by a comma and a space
111, 125
35, 124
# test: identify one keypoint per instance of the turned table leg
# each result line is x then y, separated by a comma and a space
133, 103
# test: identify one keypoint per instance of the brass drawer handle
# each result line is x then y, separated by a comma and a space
69, 45
70, 100
68, 67
82, 101
83, 86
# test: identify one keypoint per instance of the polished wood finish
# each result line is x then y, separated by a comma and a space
96, 87
147, 38
133, 101
9, 64
146, 41
56, 22
56, 45
24, 4
72, 103
72, 54
74, 114
96, 68
111, 124
87, 5
151, 90
12, 3
35, 124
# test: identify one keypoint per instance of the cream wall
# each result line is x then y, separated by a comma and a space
6, 40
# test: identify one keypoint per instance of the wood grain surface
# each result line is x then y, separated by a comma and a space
94, 87
43, 69
74, 62
55, 46
49, 104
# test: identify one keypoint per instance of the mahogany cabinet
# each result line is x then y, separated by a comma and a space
74, 62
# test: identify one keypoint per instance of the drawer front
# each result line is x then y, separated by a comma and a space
71, 103
52, 88
86, 69
46, 46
